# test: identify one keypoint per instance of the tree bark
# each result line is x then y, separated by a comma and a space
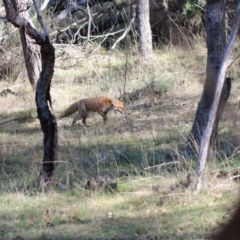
45, 115
216, 43
213, 111
144, 30
43, 98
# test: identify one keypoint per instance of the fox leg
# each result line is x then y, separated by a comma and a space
78, 117
84, 120
84, 117
104, 115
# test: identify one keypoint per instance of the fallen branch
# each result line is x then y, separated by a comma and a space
161, 165
133, 17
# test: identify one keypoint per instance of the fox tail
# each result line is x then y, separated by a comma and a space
69, 111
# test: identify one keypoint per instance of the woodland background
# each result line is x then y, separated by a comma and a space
131, 178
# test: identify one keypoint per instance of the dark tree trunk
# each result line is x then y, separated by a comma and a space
43, 98
45, 115
144, 30
231, 230
216, 43
31, 51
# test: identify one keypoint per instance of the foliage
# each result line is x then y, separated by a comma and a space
11, 60
193, 7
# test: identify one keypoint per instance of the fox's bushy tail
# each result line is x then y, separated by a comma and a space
69, 111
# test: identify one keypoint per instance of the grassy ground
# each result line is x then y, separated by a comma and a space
142, 153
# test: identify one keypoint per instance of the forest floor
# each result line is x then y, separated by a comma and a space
127, 179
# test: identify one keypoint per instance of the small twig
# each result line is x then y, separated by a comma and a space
100, 44
233, 177
232, 61
160, 165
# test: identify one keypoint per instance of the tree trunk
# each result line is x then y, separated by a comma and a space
216, 43
43, 98
144, 30
45, 115
31, 50
231, 230
203, 151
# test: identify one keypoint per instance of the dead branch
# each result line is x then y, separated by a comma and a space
128, 28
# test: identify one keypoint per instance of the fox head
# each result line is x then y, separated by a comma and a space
117, 105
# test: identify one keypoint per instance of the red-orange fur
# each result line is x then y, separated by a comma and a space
102, 105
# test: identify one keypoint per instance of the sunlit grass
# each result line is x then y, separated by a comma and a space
134, 211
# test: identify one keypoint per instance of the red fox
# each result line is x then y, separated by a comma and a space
102, 105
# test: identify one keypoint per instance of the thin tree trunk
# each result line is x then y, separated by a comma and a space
216, 43
213, 111
144, 30
31, 50
45, 115
43, 98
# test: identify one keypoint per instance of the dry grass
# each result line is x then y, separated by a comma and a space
133, 153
